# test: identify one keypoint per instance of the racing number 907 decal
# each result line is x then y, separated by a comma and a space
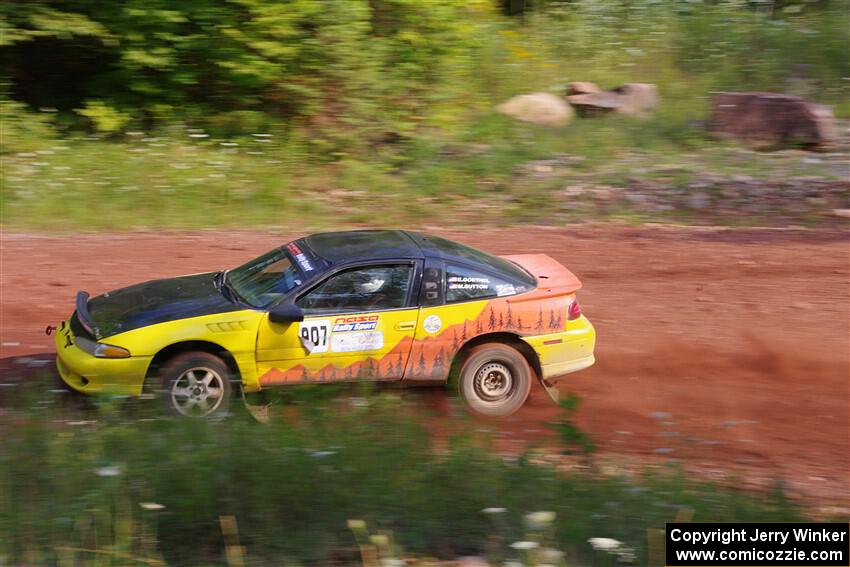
314, 335
347, 334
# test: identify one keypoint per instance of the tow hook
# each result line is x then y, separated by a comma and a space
49, 330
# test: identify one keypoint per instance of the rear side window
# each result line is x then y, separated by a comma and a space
500, 265
465, 284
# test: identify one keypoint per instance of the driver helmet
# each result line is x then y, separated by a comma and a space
370, 285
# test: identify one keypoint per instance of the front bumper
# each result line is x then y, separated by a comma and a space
91, 375
568, 351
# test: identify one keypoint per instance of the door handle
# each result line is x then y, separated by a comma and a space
405, 326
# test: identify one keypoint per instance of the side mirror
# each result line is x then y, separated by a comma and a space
286, 314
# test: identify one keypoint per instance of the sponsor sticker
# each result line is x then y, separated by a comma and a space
505, 289
355, 323
300, 257
355, 342
432, 324
468, 282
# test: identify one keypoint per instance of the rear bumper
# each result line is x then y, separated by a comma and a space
91, 375
567, 351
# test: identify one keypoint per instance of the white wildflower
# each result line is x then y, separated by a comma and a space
151, 506
322, 454
494, 510
604, 543
111, 470
525, 545
539, 519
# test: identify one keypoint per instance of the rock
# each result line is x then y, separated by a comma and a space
772, 121
538, 108
699, 200
582, 87
843, 213
635, 99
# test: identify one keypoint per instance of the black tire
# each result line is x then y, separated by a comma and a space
196, 384
495, 380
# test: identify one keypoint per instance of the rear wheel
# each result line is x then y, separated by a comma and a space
495, 380
197, 384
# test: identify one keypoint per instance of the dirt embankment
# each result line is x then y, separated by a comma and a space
725, 349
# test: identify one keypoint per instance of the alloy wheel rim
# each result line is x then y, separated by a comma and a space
198, 392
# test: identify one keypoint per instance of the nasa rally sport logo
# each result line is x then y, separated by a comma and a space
355, 323
432, 324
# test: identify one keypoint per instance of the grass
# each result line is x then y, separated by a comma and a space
184, 182
124, 481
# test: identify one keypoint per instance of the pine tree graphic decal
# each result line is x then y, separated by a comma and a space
492, 324
510, 320
519, 322
552, 323
455, 344
501, 321
399, 369
479, 328
333, 372
439, 363
421, 365
304, 376
463, 334
539, 326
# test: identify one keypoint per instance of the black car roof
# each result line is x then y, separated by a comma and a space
357, 245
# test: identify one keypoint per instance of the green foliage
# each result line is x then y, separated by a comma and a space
572, 437
352, 74
97, 480
22, 130
104, 119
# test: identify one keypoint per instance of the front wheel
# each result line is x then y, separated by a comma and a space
197, 384
495, 380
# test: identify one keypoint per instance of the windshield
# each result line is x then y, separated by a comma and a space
264, 280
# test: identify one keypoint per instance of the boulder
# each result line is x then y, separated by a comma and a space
582, 87
772, 121
634, 99
539, 108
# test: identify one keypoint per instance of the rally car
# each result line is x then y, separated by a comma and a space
378, 305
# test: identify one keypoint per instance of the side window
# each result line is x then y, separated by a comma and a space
361, 289
464, 284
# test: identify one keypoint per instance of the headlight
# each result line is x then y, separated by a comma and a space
101, 350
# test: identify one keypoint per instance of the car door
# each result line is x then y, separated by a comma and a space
458, 303
358, 324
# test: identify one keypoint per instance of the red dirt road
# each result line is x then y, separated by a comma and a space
724, 349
